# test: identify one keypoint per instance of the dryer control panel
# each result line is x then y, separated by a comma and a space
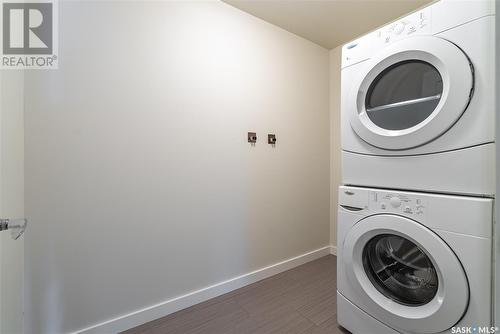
414, 24
430, 20
400, 203
418, 23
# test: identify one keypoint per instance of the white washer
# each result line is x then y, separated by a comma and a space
418, 102
413, 262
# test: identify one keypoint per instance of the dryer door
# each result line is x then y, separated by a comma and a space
411, 93
404, 275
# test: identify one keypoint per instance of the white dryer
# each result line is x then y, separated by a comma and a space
418, 102
413, 262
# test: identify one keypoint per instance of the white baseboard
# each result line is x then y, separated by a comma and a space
167, 307
333, 250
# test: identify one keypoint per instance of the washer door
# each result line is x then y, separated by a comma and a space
411, 93
404, 274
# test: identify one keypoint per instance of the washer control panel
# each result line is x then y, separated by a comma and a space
393, 202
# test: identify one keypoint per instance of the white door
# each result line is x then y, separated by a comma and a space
404, 274
410, 93
12, 223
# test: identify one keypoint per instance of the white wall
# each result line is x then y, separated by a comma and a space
140, 185
335, 148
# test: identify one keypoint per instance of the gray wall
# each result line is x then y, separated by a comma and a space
140, 185
497, 207
11, 199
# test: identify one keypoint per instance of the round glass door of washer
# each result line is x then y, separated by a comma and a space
400, 270
404, 274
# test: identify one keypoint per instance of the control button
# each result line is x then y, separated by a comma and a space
395, 202
411, 29
388, 39
382, 206
407, 210
399, 28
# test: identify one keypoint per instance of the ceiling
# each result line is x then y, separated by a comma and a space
329, 23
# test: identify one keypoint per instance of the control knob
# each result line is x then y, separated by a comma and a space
399, 28
395, 202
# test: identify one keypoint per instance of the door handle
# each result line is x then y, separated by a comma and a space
351, 208
15, 226
405, 103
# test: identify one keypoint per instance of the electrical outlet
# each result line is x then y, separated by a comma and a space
252, 137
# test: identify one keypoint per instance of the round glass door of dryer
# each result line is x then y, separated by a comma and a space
410, 93
404, 95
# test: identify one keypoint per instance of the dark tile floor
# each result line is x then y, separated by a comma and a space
301, 300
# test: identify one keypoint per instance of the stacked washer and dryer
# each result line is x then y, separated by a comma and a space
415, 216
